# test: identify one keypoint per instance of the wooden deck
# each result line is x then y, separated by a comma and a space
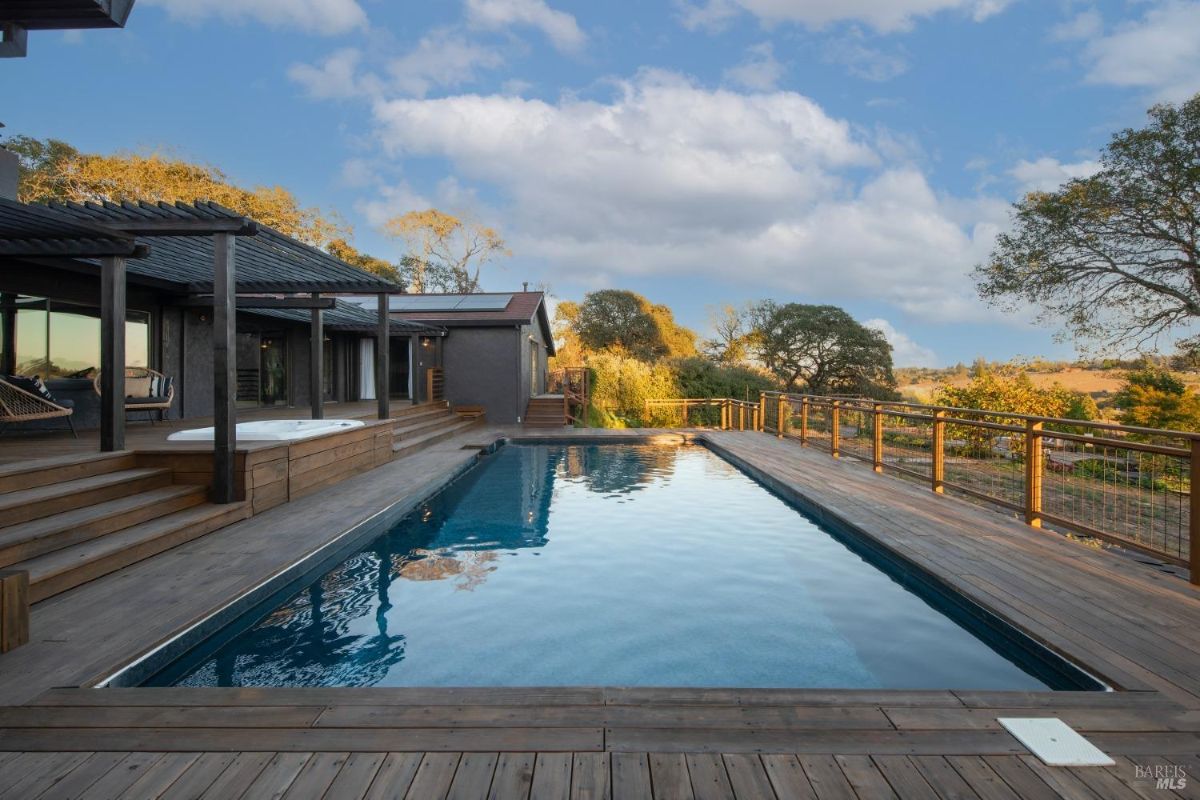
1136, 627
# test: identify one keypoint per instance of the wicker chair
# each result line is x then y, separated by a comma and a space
18, 405
138, 397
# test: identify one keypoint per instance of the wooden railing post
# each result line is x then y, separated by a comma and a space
741, 416
762, 411
835, 430
1194, 512
877, 436
937, 451
804, 420
780, 419
14, 609
1033, 473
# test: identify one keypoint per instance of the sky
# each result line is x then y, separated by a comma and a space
863, 153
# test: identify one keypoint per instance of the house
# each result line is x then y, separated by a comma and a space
493, 353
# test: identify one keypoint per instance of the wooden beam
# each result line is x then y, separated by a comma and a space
382, 329
8, 330
112, 353
316, 301
14, 41
224, 367
239, 226
316, 363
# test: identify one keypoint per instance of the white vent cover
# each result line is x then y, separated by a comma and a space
1055, 742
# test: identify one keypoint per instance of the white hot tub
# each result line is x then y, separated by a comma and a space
273, 430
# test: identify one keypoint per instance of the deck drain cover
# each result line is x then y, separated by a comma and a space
1055, 742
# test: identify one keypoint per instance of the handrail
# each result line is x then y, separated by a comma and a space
1122, 484
1075, 423
574, 383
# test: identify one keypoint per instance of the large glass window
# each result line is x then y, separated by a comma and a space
56, 339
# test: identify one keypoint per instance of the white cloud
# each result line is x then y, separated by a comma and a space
863, 61
327, 17
883, 15
905, 351
1158, 53
760, 71
559, 27
1047, 174
669, 177
1084, 25
441, 58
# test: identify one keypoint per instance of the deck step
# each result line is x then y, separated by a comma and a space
43, 501
406, 447
424, 424
65, 569
37, 537
33, 473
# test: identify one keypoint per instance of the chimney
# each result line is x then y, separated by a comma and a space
524, 286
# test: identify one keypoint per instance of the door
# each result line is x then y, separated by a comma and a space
535, 373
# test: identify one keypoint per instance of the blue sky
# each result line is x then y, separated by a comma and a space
856, 152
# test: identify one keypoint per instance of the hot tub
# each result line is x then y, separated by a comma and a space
273, 430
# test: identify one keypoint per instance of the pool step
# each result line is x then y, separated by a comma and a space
54, 498
64, 569
403, 446
37, 537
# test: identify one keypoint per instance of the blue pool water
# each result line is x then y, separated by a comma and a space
606, 565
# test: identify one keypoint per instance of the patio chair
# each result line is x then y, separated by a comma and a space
145, 390
26, 399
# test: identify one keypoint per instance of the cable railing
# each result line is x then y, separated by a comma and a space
1125, 485
723, 413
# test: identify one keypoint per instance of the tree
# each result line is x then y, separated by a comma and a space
823, 347
52, 170
1154, 398
1114, 257
445, 253
728, 345
1010, 393
623, 321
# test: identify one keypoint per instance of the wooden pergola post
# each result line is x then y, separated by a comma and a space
224, 367
414, 371
316, 364
382, 388
112, 353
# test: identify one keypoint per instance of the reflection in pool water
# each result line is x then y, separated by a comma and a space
605, 565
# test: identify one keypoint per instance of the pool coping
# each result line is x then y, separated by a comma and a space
303, 570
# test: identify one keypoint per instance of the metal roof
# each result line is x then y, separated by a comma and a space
181, 249
64, 14
425, 303
346, 316
31, 231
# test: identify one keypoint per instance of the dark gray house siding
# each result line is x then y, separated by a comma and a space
480, 370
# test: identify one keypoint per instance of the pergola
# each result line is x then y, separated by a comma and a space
209, 255
17, 17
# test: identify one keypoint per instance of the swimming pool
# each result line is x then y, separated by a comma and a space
633, 565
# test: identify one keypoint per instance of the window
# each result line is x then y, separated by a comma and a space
57, 340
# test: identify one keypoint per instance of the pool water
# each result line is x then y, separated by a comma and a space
605, 565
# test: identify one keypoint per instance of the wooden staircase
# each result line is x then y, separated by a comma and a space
545, 411
425, 425
70, 520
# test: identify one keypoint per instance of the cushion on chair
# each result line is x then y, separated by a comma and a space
144, 401
32, 385
138, 387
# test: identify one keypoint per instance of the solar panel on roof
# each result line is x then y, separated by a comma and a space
424, 302
485, 302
